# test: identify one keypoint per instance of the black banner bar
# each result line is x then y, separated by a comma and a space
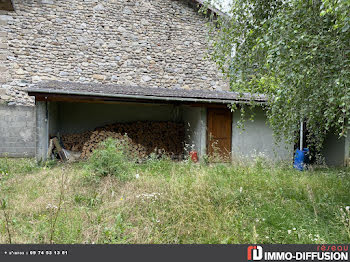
154, 253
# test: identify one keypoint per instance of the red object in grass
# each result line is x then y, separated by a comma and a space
194, 156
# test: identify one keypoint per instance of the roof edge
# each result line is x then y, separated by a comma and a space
50, 92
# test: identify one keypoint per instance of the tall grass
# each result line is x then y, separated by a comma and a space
10, 166
179, 202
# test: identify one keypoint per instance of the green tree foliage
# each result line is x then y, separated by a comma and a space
294, 51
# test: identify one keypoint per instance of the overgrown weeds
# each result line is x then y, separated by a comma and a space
4, 205
111, 159
55, 210
162, 201
4, 167
10, 166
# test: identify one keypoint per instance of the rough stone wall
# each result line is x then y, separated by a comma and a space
155, 43
4, 74
17, 131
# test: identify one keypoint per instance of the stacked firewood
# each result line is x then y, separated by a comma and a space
143, 138
75, 142
99, 136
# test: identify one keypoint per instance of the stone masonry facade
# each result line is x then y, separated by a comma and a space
151, 43
4, 74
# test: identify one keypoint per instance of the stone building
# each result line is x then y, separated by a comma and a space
91, 62
130, 43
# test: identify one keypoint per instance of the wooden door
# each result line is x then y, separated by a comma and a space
219, 133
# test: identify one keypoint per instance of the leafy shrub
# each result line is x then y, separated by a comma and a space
111, 159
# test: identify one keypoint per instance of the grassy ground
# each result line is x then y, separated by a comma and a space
173, 202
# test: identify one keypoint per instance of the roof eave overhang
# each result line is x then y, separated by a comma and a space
49, 94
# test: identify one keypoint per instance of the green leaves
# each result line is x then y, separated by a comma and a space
3, 204
296, 52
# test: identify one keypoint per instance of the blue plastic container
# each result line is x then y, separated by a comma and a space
301, 159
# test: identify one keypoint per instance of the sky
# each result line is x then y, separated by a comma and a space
223, 5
